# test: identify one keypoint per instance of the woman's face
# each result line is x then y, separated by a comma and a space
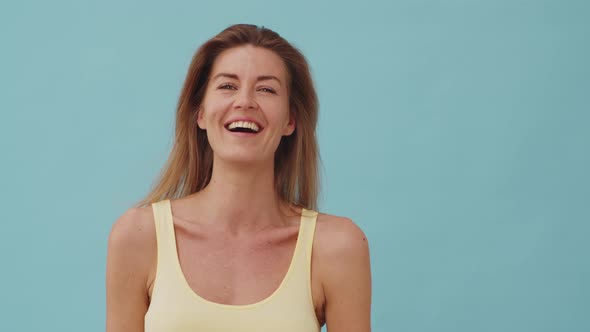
245, 110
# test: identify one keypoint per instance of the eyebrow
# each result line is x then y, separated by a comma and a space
259, 78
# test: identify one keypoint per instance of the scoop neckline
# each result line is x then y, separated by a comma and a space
194, 294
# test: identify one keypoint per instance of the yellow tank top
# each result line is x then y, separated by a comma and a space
175, 307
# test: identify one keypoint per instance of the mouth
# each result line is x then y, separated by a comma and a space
243, 128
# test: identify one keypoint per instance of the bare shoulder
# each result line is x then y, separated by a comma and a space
134, 230
131, 253
338, 236
342, 250
132, 241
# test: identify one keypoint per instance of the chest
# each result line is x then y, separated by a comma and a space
233, 271
227, 270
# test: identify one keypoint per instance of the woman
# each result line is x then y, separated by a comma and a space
229, 239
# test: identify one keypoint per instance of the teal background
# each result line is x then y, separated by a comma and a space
455, 133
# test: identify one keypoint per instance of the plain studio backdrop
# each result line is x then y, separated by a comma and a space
455, 133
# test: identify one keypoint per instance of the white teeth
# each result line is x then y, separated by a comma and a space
243, 124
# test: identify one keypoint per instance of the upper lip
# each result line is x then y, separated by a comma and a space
243, 118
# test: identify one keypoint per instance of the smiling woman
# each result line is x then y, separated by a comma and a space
230, 238
240, 98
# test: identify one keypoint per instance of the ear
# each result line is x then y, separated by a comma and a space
290, 127
201, 119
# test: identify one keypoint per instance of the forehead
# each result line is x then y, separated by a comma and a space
249, 60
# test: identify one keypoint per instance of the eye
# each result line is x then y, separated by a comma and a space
227, 86
269, 90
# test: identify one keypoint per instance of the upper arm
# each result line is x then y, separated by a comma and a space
129, 256
346, 277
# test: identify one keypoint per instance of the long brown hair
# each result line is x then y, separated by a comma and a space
190, 164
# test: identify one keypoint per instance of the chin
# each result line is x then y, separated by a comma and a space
244, 157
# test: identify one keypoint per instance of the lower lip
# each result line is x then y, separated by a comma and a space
242, 134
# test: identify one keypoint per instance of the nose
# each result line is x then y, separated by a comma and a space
245, 100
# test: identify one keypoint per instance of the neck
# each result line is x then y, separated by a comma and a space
240, 198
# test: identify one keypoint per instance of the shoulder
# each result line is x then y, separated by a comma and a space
133, 230
131, 254
132, 241
342, 248
339, 236
344, 272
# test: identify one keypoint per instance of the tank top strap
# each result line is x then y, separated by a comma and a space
309, 219
164, 235
300, 278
